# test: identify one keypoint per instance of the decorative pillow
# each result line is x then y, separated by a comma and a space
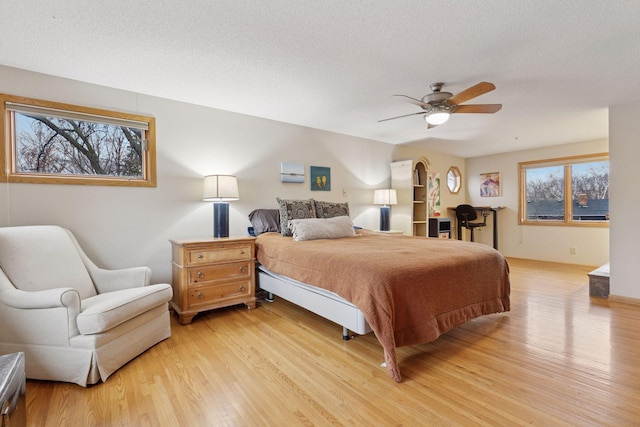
321, 228
331, 209
264, 220
294, 209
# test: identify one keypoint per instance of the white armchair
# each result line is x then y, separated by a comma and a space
75, 322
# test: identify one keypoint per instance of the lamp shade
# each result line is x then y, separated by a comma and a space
385, 197
220, 188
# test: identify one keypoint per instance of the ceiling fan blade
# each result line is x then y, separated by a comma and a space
477, 108
470, 93
415, 101
399, 117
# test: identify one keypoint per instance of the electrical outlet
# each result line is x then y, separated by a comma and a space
572, 251
344, 193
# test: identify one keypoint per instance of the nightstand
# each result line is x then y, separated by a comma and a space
212, 273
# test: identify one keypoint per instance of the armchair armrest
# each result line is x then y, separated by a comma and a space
51, 298
114, 280
44, 317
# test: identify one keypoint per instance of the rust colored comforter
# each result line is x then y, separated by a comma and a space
410, 289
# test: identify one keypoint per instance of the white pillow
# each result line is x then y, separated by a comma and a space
321, 228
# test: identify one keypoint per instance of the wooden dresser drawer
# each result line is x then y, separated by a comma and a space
225, 271
219, 254
209, 294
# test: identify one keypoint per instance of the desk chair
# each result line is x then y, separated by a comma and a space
467, 213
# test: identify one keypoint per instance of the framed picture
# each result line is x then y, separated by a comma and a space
320, 178
490, 185
433, 194
291, 172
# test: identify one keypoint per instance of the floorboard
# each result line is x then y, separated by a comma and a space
558, 358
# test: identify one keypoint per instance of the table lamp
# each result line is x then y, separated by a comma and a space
385, 197
220, 189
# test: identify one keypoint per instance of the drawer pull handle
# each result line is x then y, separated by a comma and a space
242, 269
200, 256
200, 274
241, 288
241, 251
200, 295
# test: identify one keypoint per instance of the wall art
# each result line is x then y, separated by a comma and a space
490, 185
291, 172
433, 194
320, 178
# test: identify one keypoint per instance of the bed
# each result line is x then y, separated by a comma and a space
320, 301
407, 290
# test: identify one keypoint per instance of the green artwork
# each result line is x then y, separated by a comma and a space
320, 178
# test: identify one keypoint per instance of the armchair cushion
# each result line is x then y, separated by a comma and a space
105, 311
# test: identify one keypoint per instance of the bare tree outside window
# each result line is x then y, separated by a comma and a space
63, 146
545, 193
591, 179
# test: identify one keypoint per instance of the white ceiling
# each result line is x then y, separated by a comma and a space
335, 64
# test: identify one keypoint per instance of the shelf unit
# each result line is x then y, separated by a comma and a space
409, 179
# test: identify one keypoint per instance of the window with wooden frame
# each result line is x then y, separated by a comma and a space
565, 191
53, 143
454, 180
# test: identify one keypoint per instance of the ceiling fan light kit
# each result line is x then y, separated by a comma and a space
438, 106
437, 116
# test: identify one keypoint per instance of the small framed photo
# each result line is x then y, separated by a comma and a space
490, 185
291, 172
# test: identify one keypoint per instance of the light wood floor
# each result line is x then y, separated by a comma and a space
558, 358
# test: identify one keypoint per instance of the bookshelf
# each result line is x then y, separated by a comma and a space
409, 179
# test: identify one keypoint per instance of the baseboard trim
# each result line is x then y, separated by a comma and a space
624, 300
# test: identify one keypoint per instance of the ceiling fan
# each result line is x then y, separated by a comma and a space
438, 105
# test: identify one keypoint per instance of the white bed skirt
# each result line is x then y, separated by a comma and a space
317, 300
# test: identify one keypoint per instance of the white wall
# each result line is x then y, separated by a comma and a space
624, 158
548, 243
121, 227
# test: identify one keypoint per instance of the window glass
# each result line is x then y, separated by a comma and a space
52, 145
590, 186
545, 193
454, 179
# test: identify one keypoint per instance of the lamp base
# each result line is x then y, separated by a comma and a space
220, 219
385, 222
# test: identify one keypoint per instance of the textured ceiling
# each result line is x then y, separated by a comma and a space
334, 64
